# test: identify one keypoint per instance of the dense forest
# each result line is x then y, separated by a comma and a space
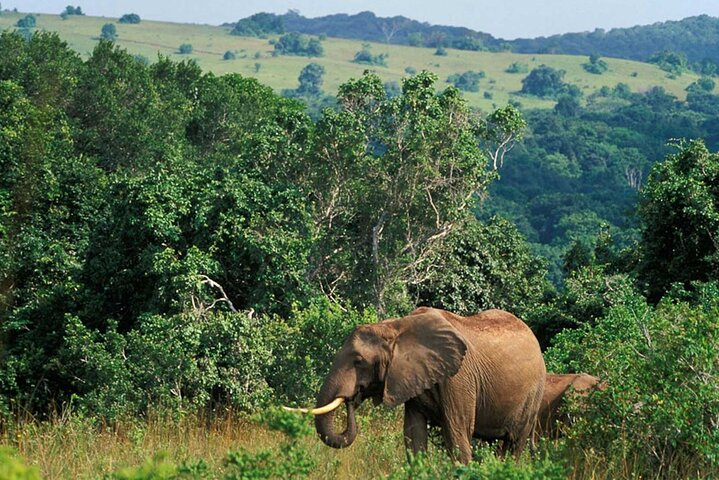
697, 38
179, 240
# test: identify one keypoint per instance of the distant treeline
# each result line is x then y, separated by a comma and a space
695, 37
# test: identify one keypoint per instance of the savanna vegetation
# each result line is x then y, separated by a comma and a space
182, 251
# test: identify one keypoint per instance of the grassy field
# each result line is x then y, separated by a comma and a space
254, 58
71, 447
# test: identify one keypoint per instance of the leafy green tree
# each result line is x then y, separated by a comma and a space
311, 79
467, 81
229, 55
131, 18
596, 65
398, 175
672, 62
544, 81
185, 49
482, 266
679, 214
259, 25
517, 67
109, 32
366, 57
28, 21
298, 44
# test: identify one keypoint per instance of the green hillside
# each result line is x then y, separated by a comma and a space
210, 43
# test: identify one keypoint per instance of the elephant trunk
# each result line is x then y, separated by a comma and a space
325, 423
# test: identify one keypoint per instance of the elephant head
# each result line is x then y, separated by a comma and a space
391, 362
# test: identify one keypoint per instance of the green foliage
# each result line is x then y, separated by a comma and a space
186, 360
28, 21
11, 468
517, 67
366, 57
131, 18
229, 55
467, 81
70, 10
485, 465
155, 468
656, 409
441, 51
545, 82
306, 344
673, 62
298, 44
259, 25
596, 65
482, 266
679, 213
109, 32
288, 460
185, 49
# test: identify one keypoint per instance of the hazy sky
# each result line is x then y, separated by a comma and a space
502, 18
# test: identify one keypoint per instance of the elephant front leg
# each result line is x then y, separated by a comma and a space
415, 429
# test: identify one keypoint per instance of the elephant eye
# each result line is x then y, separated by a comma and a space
358, 362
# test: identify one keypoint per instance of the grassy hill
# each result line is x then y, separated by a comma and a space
254, 58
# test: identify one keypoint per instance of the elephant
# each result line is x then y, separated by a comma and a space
556, 389
480, 376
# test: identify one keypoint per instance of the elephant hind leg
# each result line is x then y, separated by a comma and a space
515, 444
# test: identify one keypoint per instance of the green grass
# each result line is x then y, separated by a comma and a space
210, 43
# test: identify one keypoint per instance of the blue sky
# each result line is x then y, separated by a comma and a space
502, 18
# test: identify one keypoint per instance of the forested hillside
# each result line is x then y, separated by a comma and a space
697, 38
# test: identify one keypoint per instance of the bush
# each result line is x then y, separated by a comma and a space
517, 67
109, 32
178, 361
467, 81
661, 367
441, 51
28, 21
11, 468
229, 55
306, 346
366, 57
131, 18
259, 25
298, 44
185, 49
596, 65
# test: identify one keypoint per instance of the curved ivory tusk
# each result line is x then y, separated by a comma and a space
320, 410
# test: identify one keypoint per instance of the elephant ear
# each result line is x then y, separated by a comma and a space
427, 349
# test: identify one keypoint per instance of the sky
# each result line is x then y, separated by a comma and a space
506, 19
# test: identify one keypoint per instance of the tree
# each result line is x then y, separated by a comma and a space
28, 21
109, 32
259, 25
366, 57
394, 178
185, 49
679, 214
544, 81
131, 18
482, 266
596, 65
467, 81
311, 79
299, 44
229, 55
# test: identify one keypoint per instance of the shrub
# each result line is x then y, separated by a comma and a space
441, 51
109, 32
366, 57
229, 55
185, 49
182, 360
131, 18
517, 67
28, 21
306, 345
467, 81
298, 44
12, 468
410, 70
595, 65
661, 367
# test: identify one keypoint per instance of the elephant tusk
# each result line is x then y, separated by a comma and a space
320, 410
